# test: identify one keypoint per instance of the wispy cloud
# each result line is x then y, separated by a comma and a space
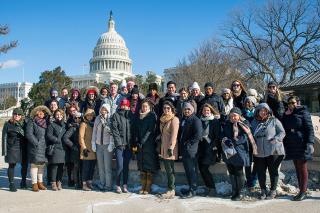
9, 64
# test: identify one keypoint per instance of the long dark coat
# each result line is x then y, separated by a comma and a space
145, 131
55, 133
214, 100
241, 146
299, 132
276, 106
190, 133
13, 141
36, 143
206, 154
71, 141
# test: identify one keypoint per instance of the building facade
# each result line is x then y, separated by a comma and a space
110, 60
18, 90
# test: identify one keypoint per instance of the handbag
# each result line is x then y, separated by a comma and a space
277, 149
228, 148
50, 150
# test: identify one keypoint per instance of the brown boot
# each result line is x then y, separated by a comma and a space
41, 186
143, 176
54, 186
35, 187
59, 185
148, 184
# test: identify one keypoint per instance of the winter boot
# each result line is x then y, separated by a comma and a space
12, 187
148, 184
41, 186
85, 187
35, 187
59, 185
54, 186
143, 176
23, 184
168, 195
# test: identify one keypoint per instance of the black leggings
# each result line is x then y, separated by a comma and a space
56, 172
206, 175
24, 170
271, 163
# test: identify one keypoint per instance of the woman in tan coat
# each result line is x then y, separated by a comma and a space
87, 155
169, 126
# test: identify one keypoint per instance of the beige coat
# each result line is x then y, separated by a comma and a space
169, 133
85, 135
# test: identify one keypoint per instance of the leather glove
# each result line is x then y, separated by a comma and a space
170, 152
85, 153
310, 149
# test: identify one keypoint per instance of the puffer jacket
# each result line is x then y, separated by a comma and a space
121, 127
71, 140
299, 133
55, 133
36, 136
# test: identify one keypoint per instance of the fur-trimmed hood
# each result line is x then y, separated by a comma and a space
92, 88
43, 108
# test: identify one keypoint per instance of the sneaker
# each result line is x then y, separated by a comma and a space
299, 197
125, 189
272, 194
190, 194
263, 194
54, 186
118, 190
85, 187
12, 187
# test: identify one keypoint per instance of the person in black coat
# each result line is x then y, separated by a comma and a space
35, 133
183, 98
121, 127
213, 99
56, 159
14, 147
274, 100
190, 135
90, 101
71, 141
235, 145
208, 145
145, 131
238, 93
298, 142
170, 96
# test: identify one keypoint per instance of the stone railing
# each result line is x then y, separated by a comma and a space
6, 113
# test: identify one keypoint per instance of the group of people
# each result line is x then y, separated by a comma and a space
249, 133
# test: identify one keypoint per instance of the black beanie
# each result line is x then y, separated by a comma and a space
153, 86
135, 90
209, 84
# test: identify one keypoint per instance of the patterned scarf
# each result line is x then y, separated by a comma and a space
41, 122
247, 130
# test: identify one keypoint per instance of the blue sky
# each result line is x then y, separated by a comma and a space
64, 33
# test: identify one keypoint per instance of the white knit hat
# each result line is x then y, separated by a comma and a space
195, 85
225, 90
252, 92
123, 84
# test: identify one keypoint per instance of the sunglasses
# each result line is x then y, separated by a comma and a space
272, 87
166, 107
17, 114
292, 102
236, 85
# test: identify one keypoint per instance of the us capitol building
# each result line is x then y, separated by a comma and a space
110, 60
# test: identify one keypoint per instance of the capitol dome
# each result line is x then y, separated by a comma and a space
111, 54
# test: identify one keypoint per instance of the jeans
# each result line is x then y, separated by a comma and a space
190, 167
104, 158
271, 162
123, 158
88, 169
169, 167
56, 172
302, 174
